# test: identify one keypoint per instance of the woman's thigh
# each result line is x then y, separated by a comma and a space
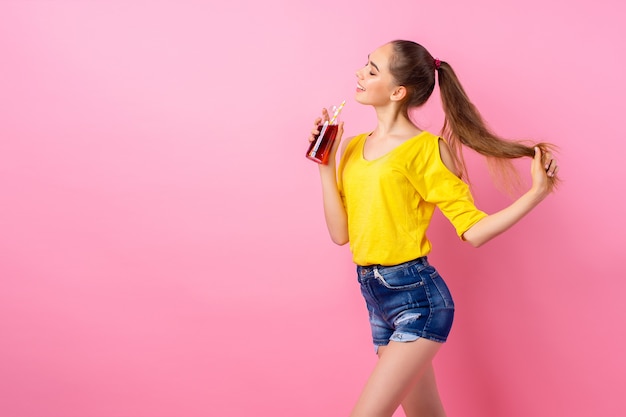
399, 368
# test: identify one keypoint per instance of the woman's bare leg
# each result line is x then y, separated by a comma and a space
424, 400
394, 376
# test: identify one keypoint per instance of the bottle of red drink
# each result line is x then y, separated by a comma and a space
319, 149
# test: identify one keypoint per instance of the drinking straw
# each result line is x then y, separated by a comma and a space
337, 112
318, 142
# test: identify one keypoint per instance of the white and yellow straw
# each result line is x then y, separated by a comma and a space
337, 112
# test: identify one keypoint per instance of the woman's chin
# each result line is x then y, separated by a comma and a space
360, 99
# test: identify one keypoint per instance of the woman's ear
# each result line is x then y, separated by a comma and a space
398, 93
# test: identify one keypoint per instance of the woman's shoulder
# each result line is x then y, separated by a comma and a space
435, 149
352, 141
428, 138
424, 141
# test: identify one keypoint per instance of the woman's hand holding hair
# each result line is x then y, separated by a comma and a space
543, 168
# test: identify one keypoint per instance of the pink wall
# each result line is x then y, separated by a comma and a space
161, 232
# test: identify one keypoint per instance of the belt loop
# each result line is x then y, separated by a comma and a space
376, 273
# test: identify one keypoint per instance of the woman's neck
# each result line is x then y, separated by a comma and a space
393, 122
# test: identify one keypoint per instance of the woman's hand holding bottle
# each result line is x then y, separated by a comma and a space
334, 211
325, 138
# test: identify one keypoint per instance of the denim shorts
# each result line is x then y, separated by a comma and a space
406, 302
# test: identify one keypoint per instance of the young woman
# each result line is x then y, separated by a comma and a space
381, 199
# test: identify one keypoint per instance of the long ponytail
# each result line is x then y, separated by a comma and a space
463, 125
414, 67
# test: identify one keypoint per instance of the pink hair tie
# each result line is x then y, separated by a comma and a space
437, 63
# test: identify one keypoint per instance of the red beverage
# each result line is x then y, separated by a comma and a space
319, 150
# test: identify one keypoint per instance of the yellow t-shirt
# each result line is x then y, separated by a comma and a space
390, 200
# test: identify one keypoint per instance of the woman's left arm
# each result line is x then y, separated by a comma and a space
491, 226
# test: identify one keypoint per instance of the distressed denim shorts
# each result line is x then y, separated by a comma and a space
406, 302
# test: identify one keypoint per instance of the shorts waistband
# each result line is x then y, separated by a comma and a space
377, 269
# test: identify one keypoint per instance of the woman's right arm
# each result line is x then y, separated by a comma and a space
334, 210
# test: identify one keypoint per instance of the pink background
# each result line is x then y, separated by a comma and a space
162, 244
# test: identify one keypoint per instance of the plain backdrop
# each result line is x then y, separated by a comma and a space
162, 244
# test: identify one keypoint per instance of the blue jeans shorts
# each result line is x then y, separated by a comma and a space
406, 302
